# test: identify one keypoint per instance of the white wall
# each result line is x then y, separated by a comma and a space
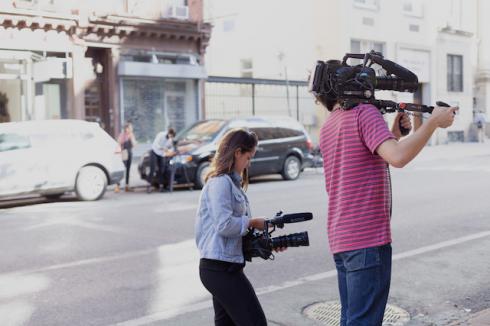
323, 29
261, 30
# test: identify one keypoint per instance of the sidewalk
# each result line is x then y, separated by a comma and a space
453, 151
481, 318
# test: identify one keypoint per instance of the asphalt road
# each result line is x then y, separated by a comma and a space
130, 258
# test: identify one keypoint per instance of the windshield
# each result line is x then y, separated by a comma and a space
203, 131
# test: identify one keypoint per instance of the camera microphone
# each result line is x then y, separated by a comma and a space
280, 219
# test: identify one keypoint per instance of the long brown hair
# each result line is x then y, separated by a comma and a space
224, 159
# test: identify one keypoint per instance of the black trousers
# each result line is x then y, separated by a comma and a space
127, 164
158, 164
234, 299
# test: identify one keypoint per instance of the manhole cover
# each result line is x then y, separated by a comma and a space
328, 313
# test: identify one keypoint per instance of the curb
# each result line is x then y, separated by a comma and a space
481, 318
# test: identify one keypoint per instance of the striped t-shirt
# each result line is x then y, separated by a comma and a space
356, 178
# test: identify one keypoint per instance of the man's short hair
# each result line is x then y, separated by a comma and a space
327, 101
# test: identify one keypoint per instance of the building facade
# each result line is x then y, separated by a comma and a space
108, 61
444, 42
265, 46
434, 39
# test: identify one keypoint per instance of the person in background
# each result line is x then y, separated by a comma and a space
127, 141
480, 122
4, 112
169, 153
162, 150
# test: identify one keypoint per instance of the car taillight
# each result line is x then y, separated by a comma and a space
309, 144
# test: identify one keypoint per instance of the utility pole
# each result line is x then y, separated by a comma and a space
281, 56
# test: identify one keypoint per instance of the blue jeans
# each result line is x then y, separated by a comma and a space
364, 283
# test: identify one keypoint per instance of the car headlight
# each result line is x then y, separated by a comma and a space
182, 159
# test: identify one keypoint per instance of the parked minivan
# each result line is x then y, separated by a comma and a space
51, 157
284, 147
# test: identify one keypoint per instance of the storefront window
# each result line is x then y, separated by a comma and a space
154, 105
12, 101
144, 107
12, 89
175, 104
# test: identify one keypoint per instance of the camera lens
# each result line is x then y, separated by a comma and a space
290, 240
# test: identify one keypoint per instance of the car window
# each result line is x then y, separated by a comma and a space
276, 133
286, 132
202, 131
264, 133
11, 141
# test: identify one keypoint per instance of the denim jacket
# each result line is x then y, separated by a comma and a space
222, 219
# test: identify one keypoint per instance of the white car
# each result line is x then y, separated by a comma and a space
51, 157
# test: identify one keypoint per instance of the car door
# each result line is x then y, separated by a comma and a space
57, 151
17, 170
266, 156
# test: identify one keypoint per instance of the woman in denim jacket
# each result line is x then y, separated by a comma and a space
223, 217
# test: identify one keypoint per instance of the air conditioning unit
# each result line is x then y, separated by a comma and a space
180, 12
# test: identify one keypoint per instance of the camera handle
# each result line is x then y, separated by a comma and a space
401, 107
385, 106
403, 131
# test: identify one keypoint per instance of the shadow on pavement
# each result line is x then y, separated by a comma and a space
34, 200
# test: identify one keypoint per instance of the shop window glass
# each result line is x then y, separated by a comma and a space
153, 106
144, 107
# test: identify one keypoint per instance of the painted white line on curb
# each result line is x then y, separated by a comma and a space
273, 288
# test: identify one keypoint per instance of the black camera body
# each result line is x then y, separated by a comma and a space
340, 80
351, 85
261, 244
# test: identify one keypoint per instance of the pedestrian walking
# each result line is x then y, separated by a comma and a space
127, 141
223, 217
357, 149
4, 112
480, 122
162, 150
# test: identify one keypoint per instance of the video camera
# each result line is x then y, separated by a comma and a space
260, 244
353, 85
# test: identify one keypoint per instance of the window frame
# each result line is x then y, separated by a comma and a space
455, 79
366, 4
413, 8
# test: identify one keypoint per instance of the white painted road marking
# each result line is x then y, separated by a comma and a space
169, 313
179, 287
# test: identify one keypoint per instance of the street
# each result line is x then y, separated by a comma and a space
130, 258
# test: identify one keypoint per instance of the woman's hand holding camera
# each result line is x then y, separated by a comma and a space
257, 223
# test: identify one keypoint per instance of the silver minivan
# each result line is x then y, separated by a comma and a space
51, 157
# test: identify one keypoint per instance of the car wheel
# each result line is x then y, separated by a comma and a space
291, 168
91, 183
202, 171
54, 196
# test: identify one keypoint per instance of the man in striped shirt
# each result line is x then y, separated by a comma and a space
357, 149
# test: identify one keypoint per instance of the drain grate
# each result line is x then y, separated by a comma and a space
328, 313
